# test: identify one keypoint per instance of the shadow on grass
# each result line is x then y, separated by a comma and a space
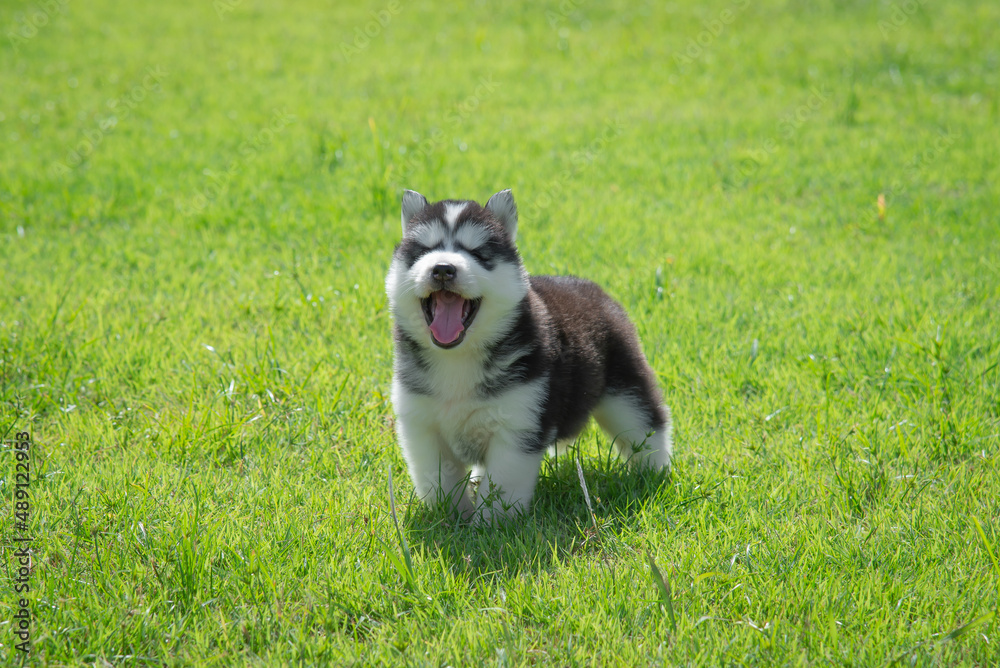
558, 524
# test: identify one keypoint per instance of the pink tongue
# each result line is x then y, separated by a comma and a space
447, 323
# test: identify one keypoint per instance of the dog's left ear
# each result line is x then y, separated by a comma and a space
502, 206
413, 203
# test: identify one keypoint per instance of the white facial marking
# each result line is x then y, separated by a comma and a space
430, 235
471, 236
452, 211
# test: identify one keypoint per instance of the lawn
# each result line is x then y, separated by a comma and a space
198, 202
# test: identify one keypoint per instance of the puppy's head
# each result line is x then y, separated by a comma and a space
456, 276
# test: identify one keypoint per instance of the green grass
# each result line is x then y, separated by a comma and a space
193, 327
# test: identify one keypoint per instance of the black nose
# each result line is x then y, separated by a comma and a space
443, 272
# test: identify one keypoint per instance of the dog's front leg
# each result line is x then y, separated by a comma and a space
440, 478
508, 483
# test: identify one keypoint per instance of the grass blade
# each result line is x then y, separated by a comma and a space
586, 494
408, 573
663, 585
965, 628
989, 548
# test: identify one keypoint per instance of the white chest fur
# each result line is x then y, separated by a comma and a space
467, 423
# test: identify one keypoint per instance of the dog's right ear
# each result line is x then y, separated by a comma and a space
413, 203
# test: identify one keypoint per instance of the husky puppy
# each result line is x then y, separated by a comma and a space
493, 366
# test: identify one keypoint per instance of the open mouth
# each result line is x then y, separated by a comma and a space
449, 315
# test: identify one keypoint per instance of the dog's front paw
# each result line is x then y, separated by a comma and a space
495, 513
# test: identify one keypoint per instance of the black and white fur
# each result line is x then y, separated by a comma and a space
537, 355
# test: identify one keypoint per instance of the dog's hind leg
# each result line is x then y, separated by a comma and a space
561, 448
641, 431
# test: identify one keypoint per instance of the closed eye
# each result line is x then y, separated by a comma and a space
424, 250
415, 250
482, 254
